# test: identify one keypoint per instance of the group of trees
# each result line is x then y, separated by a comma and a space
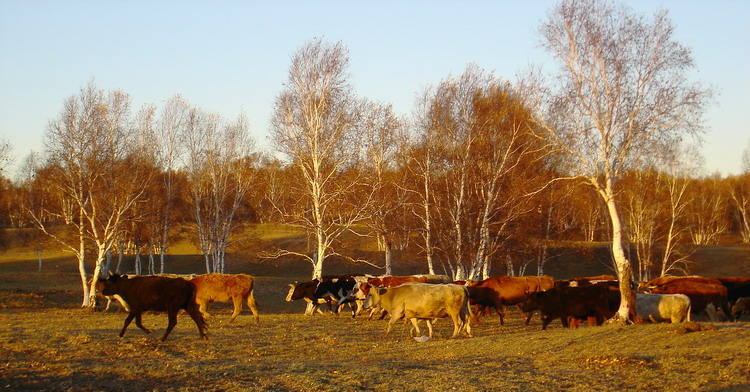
487, 172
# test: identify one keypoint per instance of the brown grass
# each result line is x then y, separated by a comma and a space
47, 343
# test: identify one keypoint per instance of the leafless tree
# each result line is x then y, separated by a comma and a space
172, 124
382, 130
708, 212
315, 126
622, 92
95, 171
220, 175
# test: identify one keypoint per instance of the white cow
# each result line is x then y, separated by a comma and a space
663, 307
424, 301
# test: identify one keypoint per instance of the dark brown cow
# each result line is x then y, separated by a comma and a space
156, 293
502, 291
701, 293
737, 287
571, 302
237, 288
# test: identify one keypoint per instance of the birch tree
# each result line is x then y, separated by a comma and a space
621, 92
219, 165
314, 126
95, 173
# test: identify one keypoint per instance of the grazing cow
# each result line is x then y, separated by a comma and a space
701, 293
237, 288
423, 301
570, 302
742, 306
659, 308
502, 291
156, 293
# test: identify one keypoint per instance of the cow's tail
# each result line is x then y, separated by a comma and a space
468, 314
251, 300
689, 310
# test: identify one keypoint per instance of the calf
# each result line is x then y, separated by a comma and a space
156, 293
338, 289
423, 301
237, 288
663, 307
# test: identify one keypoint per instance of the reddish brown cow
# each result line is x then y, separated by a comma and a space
224, 288
571, 302
701, 294
502, 291
158, 293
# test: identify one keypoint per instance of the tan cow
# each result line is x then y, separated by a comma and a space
237, 288
424, 301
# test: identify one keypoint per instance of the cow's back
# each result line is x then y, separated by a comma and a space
222, 287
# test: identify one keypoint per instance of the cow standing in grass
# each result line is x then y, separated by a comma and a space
156, 293
237, 288
424, 301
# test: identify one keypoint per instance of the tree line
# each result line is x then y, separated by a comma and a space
486, 172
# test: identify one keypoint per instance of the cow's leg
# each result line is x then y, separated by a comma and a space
253, 306
128, 319
237, 302
467, 326
456, 325
546, 319
528, 317
140, 324
500, 309
200, 322
415, 326
203, 307
172, 317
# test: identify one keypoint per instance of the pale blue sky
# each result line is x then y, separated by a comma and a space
233, 56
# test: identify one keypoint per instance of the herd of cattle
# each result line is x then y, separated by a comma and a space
430, 297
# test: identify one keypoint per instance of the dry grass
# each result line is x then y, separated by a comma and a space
47, 343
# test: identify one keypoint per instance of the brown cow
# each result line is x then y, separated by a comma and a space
570, 302
502, 291
702, 293
237, 288
156, 293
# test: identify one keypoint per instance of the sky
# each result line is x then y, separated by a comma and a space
232, 57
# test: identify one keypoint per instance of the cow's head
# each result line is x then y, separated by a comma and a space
109, 285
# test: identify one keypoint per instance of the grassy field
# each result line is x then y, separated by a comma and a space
48, 343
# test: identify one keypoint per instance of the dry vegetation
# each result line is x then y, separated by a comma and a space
47, 343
